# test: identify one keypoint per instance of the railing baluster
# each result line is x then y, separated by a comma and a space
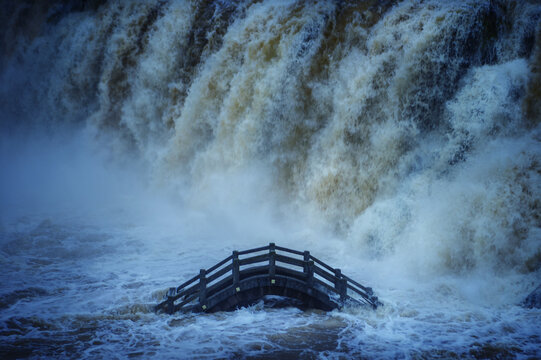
344, 293
306, 259
203, 288
340, 284
170, 307
338, 275
236, 271
309, 272
272, 262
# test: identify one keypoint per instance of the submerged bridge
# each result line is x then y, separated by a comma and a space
246, 276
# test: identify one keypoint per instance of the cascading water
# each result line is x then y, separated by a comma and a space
143, 140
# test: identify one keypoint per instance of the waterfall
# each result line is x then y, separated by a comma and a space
404, 132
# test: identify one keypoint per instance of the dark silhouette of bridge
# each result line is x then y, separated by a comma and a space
241, 280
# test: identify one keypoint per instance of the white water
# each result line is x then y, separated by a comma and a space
143, 141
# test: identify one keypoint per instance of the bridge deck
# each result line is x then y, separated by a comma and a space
240, 280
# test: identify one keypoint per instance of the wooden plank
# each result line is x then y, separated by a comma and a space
324, 274
272, 260
236, 268
184, 284
363, 295
310, 272
280, 270
289, 260
161, 305
254, 259
219, 273
186, 309
224, 283
319, 262
192, 289
254, 270
330, 288
306, 258
186, 301
244, 252
365, 289
209, 270
202, 286
340, 284
296, 252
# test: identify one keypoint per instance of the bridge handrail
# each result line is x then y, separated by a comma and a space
324, 274
363, 295
254, 259
290, 260
219, 273
207, 278
296, 252
186, 283
211, 269
367, 290
280, 258
317, 261
244, 252
186, 292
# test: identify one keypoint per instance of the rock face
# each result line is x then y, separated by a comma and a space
534, 299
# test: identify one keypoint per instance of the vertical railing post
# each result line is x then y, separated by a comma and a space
306, 259
203, 288
272, 262
338, 275
236, 271
309, 272
344, 293
340, 284
170, 308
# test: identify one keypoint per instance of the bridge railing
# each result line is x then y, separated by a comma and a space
230, 271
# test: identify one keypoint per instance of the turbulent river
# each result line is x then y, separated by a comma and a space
143, 140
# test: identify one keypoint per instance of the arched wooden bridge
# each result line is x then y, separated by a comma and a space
240, 280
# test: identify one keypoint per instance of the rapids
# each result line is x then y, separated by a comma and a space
143, 140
